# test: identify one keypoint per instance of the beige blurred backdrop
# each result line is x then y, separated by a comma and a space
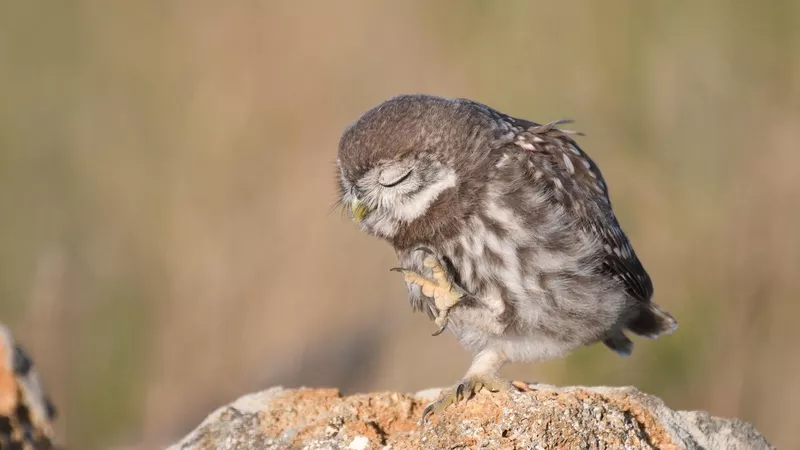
167, 174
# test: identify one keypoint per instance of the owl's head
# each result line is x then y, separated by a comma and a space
403, 164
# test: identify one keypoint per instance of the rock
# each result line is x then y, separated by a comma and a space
26, 413
547, 418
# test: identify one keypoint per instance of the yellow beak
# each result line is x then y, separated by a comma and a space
360, 211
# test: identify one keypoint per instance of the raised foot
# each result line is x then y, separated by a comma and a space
470, 386
441, 288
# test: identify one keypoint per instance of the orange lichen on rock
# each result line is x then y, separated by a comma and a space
324, 414
548, 417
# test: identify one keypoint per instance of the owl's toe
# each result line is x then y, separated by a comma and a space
523, 386
441, 320
449, 398
470, 386
440, 287
474, 384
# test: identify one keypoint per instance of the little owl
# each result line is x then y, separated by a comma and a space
504, 232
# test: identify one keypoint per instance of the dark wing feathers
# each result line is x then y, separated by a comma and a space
576, 181
621, 262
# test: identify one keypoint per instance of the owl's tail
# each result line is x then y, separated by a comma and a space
652, 321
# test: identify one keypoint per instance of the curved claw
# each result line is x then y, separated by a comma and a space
441, 329
427, 412
438, 406
442, 320
460, 391
397, 269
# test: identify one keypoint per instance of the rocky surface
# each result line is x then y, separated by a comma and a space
547, 418
26, 414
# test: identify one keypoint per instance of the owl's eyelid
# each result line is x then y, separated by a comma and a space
402, 178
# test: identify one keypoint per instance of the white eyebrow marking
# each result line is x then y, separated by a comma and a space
414, 207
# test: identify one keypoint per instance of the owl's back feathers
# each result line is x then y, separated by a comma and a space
573, 180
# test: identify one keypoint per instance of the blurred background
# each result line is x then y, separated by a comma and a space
167, 175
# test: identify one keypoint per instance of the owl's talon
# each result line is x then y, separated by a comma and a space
440, 405
460, 391
442, 325
439, 287
467, 389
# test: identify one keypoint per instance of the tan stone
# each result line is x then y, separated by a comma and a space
547, 418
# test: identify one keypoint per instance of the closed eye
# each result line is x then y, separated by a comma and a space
397, 181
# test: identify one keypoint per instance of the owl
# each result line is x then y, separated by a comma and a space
504, 233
